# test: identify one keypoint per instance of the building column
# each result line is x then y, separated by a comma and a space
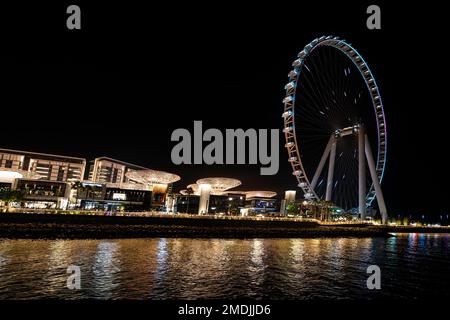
205, 192
289, 197
283, 207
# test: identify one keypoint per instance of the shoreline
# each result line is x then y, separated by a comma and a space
51, 226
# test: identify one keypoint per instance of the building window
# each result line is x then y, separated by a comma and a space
114, 178
60, 176
8, 164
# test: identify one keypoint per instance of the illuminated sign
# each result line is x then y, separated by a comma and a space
119, 196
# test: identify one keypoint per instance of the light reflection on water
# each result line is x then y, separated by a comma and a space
412, 265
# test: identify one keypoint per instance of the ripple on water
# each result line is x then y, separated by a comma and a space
412, 266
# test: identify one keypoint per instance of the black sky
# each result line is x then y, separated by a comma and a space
133, 74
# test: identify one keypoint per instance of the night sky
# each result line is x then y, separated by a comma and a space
132, 75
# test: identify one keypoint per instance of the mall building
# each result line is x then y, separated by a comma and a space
48, 181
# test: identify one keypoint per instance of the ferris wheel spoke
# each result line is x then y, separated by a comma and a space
335, 69
311, 102
312, 97
321, 82
339, 91
319, 97
330, 87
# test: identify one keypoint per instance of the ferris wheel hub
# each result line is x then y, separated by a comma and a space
339, 133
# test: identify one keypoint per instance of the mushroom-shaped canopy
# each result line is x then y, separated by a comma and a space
128, 186
152, 177
194, 188
218, 184
260, 194
8, 175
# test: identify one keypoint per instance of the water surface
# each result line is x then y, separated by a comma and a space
412, 266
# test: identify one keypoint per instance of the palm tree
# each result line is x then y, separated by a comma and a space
320, 206
323, 207
315, 209
328, 206
292, 208
7, 196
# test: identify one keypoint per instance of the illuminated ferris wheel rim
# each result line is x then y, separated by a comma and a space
289, 112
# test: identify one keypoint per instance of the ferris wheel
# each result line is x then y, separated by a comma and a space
334, 117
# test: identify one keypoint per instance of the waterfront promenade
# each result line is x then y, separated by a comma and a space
91, 225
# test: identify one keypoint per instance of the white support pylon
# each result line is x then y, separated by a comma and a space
322, 163
364, 152
361, 174
376, 182
331, 170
